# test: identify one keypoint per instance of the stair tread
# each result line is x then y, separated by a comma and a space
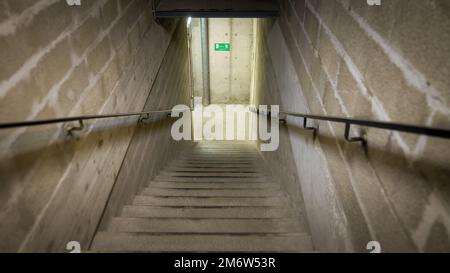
212, 185
212, 165
219, 156
221, 153
211, 174
210, 192
167, 178
211, 170
208, 166
208, 202
211, 162
240, 212
216, 226
136, 242
219, 160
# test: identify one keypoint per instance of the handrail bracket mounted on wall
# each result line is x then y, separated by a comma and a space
311, 128
71, 128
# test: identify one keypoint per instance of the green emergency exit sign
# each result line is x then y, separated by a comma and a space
222, 47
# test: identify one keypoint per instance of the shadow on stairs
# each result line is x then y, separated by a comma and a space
214, 197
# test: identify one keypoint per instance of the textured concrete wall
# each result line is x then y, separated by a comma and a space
312, 192
281, 162
152, 146
346, 58
56, 60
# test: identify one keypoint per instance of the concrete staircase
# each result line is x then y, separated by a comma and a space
213, 198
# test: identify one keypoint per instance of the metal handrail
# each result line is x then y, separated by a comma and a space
80, 119
393, 126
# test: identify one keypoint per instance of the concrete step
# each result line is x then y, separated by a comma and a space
142, 242
216, 213
205, 226
221, 162
211, 179
210, 192
196, 169
251, 148
211, 174
223, 150
213, 166
234, 146
221, 155
213, 185
209, 201
209, 164
222, 158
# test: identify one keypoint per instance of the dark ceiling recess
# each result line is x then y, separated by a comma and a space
216, 8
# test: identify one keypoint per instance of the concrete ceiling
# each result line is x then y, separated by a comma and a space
217, 8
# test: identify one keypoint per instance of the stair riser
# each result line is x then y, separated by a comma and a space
218, 185
211, 170
125, 242
209, 164
212, 179
210, 193
214, 175
217, 213
220, 157
215, 226
209, 202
